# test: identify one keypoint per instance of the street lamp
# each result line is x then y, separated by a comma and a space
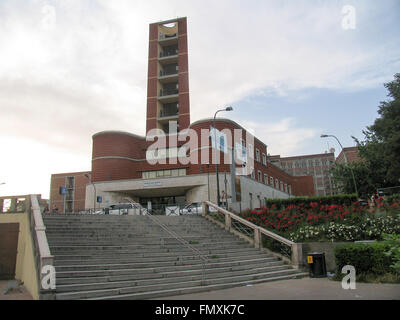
94, 187
229, 108
345, 159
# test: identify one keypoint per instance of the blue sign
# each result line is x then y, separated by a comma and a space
63, 190
99, 199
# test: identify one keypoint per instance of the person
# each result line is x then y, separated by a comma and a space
373, 200
55, 209
46, 210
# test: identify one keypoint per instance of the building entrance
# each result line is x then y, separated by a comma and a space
159, 204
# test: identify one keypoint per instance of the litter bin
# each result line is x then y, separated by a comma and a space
316, 261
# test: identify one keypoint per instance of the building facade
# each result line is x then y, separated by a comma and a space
68, 191
168, 76
182, 167
351, 155
316, 165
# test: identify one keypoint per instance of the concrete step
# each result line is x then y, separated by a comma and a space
167, 257
165, 244
130, 257
83, 259
178, 288
167, 280
82, 272
234, 265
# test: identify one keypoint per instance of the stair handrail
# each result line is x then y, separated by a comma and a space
296, 248
42, 249
198, 253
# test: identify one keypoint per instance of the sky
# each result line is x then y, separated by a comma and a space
291, 70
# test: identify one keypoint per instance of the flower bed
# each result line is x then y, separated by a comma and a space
317, 221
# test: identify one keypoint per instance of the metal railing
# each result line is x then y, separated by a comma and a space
152, 218
253, 233
168, 92
164, 54
164, 73
169, 113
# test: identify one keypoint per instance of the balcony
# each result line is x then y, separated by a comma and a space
168, 76
168, 114
168, 95
168, 39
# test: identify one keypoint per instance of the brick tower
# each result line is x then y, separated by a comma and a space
168, 77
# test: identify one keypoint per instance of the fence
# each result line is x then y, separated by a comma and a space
259, 237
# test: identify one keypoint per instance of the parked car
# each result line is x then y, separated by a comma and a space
195, 208
119, 208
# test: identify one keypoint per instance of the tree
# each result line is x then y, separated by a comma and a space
379, 152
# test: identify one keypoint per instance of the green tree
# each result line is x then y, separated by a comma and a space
379, 152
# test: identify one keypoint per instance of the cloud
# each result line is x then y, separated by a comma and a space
73, 68
282, 137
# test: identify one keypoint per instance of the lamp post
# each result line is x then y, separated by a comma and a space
215, 145
345, 159
94, 187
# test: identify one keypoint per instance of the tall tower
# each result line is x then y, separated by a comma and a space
168, 77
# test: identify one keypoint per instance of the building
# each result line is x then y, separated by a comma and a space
168, 76
181, 168
316, 165
68, 191
351, 155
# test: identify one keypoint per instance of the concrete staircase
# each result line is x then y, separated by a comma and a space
130, 257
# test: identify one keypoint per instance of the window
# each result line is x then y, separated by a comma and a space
310, 163
258, 155
286, 188
252, 173
259, 176
281, 186
264, 159
163, 173
290, 189
271, 181
297, 164
277, 183
289, 165
265, 178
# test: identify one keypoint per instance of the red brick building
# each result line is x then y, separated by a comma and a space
125, 166
315, 165
75, 191
351, 155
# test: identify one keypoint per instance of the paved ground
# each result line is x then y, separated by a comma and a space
299, 289
15, 294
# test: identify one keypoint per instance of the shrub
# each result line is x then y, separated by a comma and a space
368, 229
340, 199
394, 252
366, 258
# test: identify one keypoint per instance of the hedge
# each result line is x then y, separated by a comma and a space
366, 258
392, 198
339, 199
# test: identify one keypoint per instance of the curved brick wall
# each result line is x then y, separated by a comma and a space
121, 155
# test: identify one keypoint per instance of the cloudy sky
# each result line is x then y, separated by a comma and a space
291, 70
